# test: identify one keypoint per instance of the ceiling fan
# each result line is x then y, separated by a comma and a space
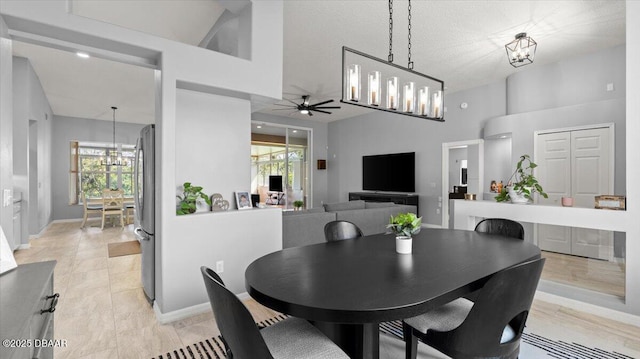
306, 108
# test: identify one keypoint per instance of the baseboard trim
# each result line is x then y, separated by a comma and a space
604, 312
67, 220
184, 313
428, 225
23, 246
39, 234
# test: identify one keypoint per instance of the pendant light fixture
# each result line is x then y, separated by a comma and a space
113, 158
406, 91
522, 50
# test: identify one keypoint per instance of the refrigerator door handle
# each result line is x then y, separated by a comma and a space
136, 179
141, 234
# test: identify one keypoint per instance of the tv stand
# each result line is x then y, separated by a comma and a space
397, 198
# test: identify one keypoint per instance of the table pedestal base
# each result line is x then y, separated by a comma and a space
357, 340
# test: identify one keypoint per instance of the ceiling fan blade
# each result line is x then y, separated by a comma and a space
284, 104
292, 102
321, 111
321, 103
282, 109
324, 107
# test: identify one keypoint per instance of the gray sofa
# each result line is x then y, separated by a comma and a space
300, 228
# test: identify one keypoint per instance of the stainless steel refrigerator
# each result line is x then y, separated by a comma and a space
145, 207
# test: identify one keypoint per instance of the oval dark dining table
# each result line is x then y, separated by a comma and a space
346, 288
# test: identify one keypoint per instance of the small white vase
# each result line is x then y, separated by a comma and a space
404, 244
518, 198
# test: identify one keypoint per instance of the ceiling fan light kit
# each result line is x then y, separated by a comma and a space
426, 103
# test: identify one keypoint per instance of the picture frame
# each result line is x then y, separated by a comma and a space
243, 200
611, 202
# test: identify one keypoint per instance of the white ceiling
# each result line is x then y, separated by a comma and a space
458, 41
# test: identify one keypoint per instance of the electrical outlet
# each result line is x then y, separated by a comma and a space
219, 266
437, 210
610, 87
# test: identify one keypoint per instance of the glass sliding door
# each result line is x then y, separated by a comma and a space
280, 166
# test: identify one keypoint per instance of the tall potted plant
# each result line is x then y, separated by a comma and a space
405, 225
189, 198
524, 183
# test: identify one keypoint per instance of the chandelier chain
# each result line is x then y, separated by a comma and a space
410, 63
390, 58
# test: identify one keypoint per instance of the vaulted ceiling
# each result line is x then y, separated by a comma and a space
458, 41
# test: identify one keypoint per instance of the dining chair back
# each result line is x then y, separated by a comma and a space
491, 326
340, 230
236, 325
89, 206
113, 204
501, 226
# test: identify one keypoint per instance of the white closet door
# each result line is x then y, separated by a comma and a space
553, 157
592, 176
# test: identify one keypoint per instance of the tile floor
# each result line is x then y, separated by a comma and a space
103, 312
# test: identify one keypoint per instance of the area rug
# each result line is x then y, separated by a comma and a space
532, 346
123, 248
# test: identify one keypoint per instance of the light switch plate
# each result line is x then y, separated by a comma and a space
6, 197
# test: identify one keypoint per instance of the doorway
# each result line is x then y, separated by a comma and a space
280, 151
473, 150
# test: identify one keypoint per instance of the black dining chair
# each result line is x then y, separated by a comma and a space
501, 226
340, 230
490, 327
290, 338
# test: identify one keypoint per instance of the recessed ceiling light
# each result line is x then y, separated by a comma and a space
259, 126
83, 55
295, 131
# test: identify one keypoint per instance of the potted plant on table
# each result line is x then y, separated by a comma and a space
189, 199
297, 205
524, 184
404, 225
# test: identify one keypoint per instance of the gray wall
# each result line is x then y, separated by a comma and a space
350, 139
319, 140
32, 131
381, 132
66, 129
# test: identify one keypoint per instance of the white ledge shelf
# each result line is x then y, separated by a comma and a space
465, 213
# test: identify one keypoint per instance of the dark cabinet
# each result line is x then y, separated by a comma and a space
398, 198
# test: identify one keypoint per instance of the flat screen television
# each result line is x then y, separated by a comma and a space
275, 183
393, 172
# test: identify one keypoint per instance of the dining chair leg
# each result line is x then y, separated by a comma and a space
102, 220
122, 219
411, 347
84, 220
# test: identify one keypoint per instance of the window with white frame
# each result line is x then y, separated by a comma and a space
88, 175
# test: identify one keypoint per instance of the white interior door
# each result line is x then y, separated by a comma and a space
553, 157
592, 176
575, 164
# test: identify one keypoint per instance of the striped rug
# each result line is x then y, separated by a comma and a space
213, 348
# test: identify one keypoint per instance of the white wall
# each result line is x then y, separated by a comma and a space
6, 129
191, 67
32, 141
633, 149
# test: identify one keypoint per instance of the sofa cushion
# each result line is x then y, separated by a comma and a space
373, 220
304, 228
306, 211
378, 204
344, 206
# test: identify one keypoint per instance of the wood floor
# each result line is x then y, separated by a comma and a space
593, 274
103, 313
